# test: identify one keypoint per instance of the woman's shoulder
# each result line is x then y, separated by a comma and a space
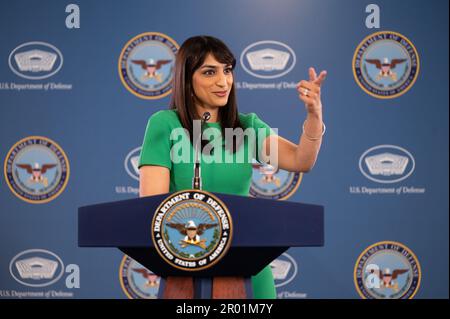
246, 116
165, 117
252, 120
248, 119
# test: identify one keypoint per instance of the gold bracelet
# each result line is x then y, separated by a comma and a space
324, 128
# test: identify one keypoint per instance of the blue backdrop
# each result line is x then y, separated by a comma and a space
97, 122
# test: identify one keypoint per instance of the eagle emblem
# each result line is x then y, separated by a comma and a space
192, 233
37, 173
151, 67
388, 278
386, 67
268, 173
151, 278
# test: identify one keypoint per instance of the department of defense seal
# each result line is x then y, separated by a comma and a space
146, 64
271, 183
137, 282
192, 230
36, 169
386, 64
387, 270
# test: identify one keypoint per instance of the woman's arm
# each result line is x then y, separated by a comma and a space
153, 180
302, 157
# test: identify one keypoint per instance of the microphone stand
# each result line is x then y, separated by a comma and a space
197, 179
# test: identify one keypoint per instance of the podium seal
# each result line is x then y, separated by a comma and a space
192, 230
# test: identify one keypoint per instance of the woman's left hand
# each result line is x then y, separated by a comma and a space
309, 91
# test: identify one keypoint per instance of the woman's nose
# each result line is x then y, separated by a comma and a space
221, 80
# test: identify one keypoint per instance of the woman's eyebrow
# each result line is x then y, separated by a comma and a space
214, 66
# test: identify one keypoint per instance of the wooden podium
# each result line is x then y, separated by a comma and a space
263, 230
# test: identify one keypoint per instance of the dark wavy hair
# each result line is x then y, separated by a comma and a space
189, 58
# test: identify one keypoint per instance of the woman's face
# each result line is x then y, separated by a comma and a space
212, 83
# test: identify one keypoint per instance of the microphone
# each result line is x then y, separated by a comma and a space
197, 179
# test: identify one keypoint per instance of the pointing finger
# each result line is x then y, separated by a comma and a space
312, 74
321, 78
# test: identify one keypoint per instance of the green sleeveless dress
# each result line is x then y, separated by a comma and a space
227, 176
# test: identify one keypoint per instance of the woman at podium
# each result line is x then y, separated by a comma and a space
203, 89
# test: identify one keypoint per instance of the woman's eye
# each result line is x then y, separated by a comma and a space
212, 72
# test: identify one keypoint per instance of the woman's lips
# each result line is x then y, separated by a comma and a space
221, 93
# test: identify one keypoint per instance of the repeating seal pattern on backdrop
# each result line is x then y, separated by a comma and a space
387, 164
36, 268
131, 163
146, 64
268, 59
35, 60
192, 230
387, 270
284, 270
386, 64
271, 183
36, 169
137, 282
